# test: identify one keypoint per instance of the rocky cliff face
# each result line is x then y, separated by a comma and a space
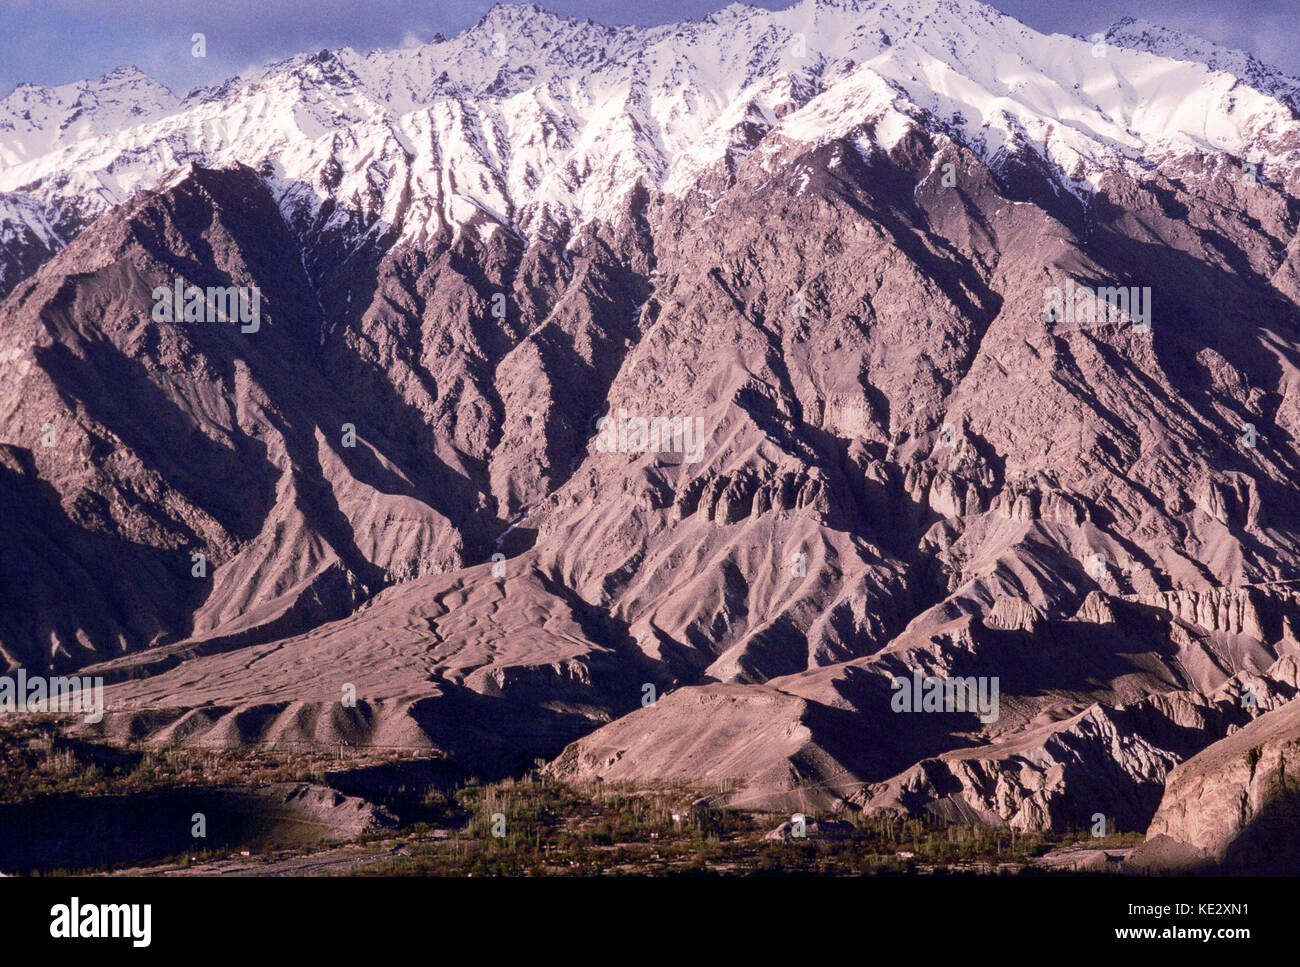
1233, 807
678, 414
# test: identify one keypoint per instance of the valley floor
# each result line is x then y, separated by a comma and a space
68, 806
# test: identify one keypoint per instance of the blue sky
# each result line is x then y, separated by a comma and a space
56, 41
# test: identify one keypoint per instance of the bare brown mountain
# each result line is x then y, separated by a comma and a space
906, 462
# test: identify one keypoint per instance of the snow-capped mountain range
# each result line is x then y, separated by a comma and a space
529, 121
830, 236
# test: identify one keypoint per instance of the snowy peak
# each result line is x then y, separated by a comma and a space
1135, 34
35, 118
518, 19
528, 120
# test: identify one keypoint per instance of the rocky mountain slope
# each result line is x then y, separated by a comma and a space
1232, 807
821, 240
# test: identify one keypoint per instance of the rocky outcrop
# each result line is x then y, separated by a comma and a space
1267, 613
1233, 808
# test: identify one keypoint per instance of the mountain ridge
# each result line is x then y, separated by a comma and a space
682, 106
907, 462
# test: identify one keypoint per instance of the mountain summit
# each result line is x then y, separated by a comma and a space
529, 121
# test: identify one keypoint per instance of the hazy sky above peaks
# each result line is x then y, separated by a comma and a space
58, 41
